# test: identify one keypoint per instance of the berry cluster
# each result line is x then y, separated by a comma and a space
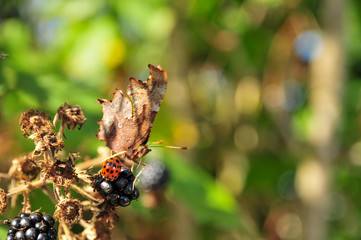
155, 176
34, 226
119, 192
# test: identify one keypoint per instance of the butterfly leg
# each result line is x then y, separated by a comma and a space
140, 172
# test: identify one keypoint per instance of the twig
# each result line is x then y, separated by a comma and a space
29, 186
90, 163
66, 231
26, 203
5, 175
58, 194
82, 192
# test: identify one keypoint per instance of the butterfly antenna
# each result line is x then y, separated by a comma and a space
157, 142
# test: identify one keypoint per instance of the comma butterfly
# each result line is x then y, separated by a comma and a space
128, 120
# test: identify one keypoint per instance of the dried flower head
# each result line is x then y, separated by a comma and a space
33, 121
3, 200
69, 211
48, 141
71, 116
60, 173
24, 168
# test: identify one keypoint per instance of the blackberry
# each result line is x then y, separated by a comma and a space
155, 176
25, 223
34, 226
15, 223
20, 235
106, 187
31, 233
49, 220
43, 236
121, 183
119, 192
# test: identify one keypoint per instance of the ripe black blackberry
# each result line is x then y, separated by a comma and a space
119, 192
155, 176
34, 226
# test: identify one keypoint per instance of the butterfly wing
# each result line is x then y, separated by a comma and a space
127, 122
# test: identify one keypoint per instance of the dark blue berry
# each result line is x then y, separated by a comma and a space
20, 235
36, 217
31, 234
98, 181
113, 199
106, 187
126, 173
10, 237
52, 234
120, 183
11, 231
124, 201
22, 215
49, 220
131, 178
128, 189
41, 226
15, 223
25, 223
42, 236
135, 194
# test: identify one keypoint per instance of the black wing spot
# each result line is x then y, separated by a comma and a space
107, 170
111, 171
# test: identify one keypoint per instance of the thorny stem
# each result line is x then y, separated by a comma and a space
29, 186
82, 192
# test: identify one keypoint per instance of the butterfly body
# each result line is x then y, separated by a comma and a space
111, 168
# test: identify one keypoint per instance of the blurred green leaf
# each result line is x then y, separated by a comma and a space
207, 199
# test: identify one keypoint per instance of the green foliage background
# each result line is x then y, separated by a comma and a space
237, 181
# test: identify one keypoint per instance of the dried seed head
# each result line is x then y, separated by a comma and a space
3, 201
69, 211
33, 121
71, 116
48, 141
60, 173
24, 168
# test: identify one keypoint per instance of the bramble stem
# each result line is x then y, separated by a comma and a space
88, 164
5, 175
82, 192
66, 231
26, 203
29, 186
58, 194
